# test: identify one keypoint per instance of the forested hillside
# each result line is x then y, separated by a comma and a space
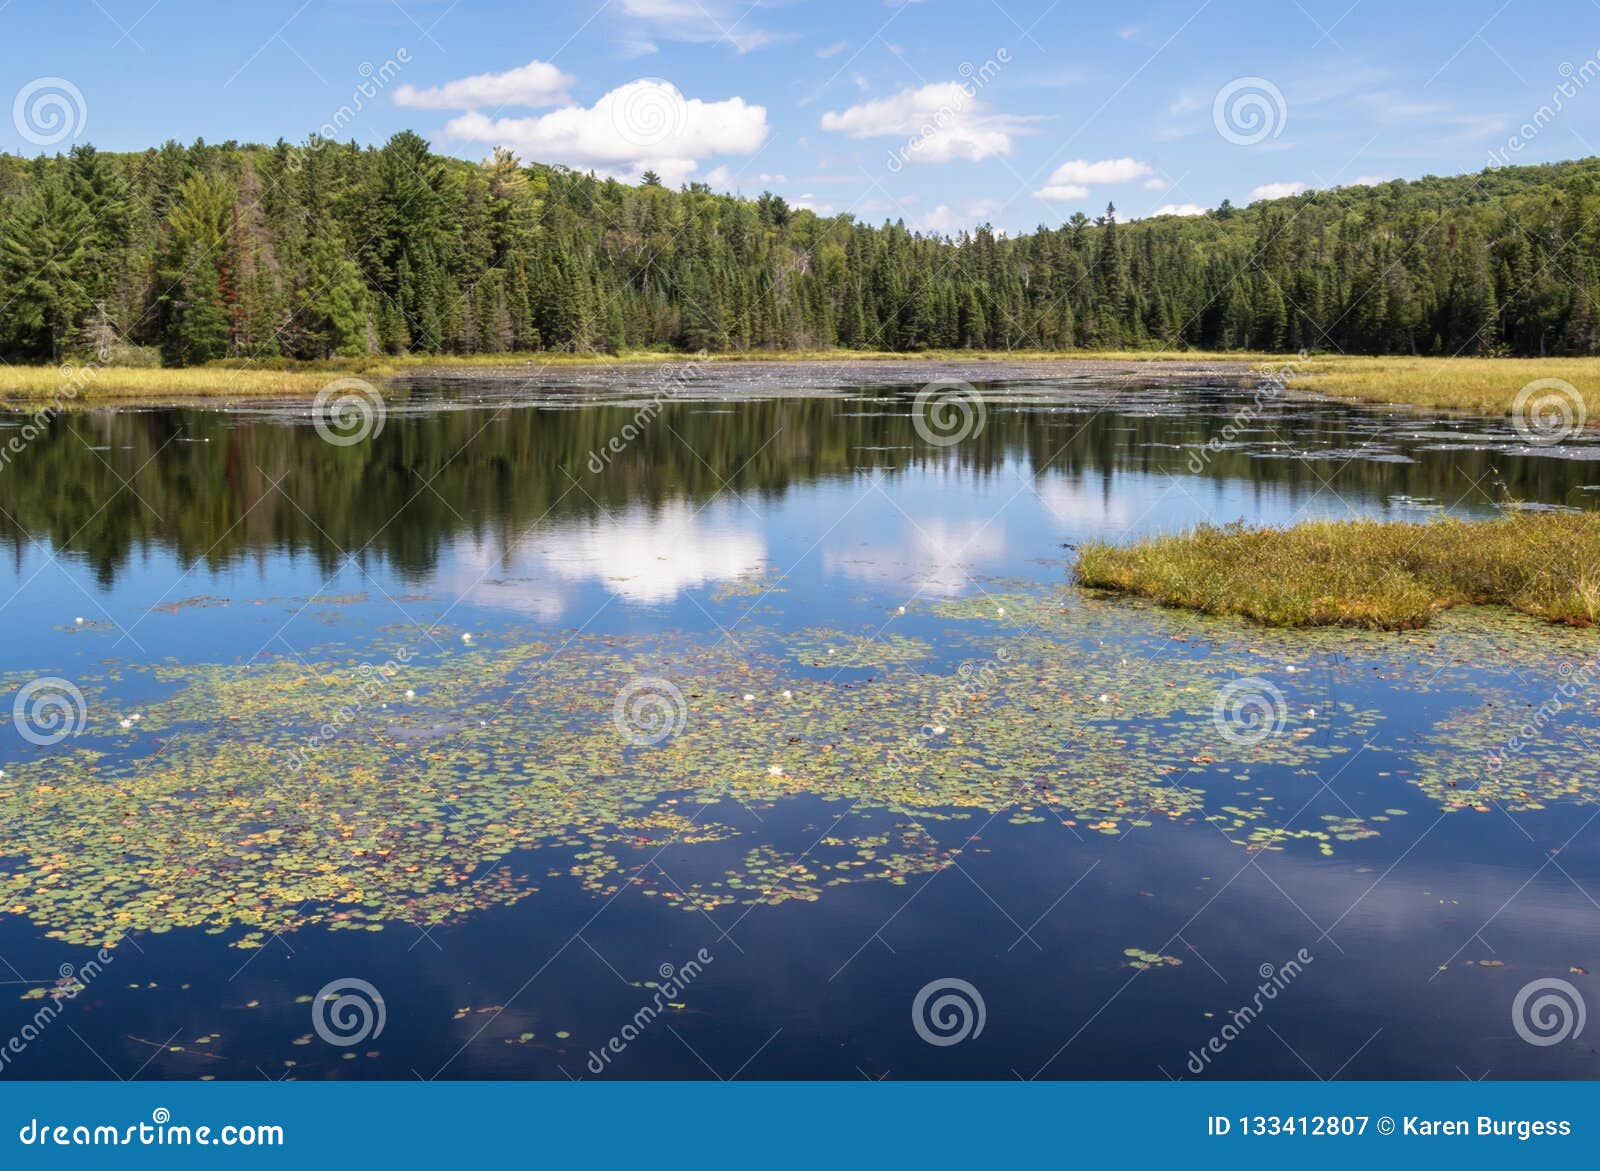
247, 252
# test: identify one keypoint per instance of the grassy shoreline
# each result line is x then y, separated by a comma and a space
1479, 386
1482, 386
1383, 575
70, 384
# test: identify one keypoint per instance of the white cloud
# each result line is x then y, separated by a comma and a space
634, 49
538, 83
1369, 180
808, 202
833, 50
699, 22
645, 124
937, 556
940, 122
1083, 172
1156, 184
947, 221
1058, 192
1179, 209
1188, 101
725, 178
652, 557
1071, 180
1276, 190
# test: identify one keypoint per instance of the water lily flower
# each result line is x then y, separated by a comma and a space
775, 770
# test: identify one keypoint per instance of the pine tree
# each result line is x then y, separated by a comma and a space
45, 257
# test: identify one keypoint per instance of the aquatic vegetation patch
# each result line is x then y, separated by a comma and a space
1388, 575
427, 792
867, 649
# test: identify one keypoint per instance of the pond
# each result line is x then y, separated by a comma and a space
756, 730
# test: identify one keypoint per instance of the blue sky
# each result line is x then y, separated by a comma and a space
945, 113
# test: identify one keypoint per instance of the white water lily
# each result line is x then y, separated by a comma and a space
788, 694
775, 770
748, 698
410, 694
465, 637
78, 621
125, 724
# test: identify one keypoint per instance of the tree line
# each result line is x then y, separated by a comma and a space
207, 252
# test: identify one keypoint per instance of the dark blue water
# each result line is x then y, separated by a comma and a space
520, 875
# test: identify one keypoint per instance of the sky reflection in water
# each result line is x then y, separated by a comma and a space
249, 567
